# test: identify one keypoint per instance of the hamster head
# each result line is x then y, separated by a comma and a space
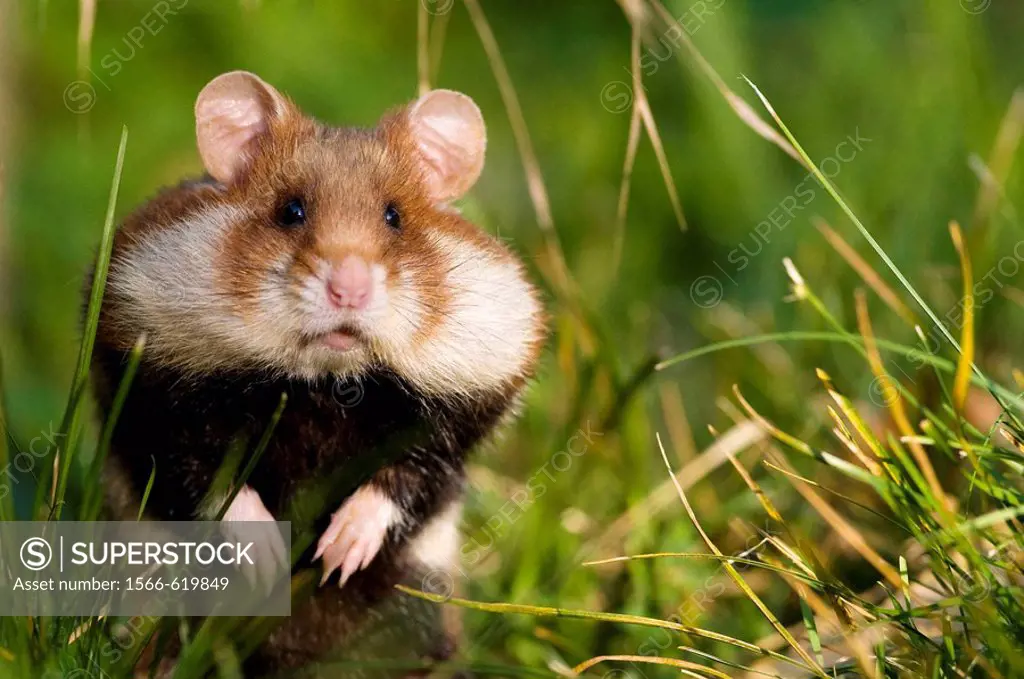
316, 250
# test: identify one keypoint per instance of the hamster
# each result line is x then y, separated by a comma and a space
325, 263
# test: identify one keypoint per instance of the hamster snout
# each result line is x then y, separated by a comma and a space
350, 284
352, 296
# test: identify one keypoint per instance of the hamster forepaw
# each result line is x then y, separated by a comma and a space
270, 551
356, 533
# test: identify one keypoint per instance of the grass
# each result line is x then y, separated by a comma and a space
846, 537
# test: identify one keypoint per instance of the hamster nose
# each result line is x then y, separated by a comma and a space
350, 285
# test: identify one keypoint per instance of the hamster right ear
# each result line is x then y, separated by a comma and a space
232, 111
449, 134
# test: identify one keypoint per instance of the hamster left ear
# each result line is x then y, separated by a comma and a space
448, 131
232, 112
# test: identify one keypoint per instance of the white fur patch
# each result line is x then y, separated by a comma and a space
437, 546
247, 506
486, 335
168, 275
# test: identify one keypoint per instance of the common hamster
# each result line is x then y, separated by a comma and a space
313, 256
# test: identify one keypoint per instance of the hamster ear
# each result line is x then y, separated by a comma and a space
232, 111
449, 134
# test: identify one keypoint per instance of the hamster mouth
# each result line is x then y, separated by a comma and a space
342, 338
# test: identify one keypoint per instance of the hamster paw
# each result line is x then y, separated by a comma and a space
356, 533
272, 558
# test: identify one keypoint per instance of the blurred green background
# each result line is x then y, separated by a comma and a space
922, 87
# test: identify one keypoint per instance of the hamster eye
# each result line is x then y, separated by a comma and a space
392, 218
292, 213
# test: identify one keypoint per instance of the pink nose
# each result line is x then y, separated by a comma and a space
350, 285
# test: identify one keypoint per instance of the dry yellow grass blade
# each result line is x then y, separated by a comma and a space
981, 662
845, 436
859, 425
617, 618
679, 431
962, 380
83, 628
864, 270
659, 151
632, 145
438, 28
534, 178
891, 396
792, 555
422, 48
640, 17
836, 521
1000, 161
86, 25
857, 647
695, 668
763, 498
642, 108
834, 461
810, 570
734, 574
768, 426
736, 439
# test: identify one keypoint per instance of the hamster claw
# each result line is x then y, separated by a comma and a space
356, 533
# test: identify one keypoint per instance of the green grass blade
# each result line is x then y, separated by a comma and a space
830, 188
713, 557
93, 481
620, 618
261, 447
838, 338
7, 501
71, 424
812, 631
149, 488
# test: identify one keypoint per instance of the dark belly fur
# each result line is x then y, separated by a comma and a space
335, 434
187, 426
